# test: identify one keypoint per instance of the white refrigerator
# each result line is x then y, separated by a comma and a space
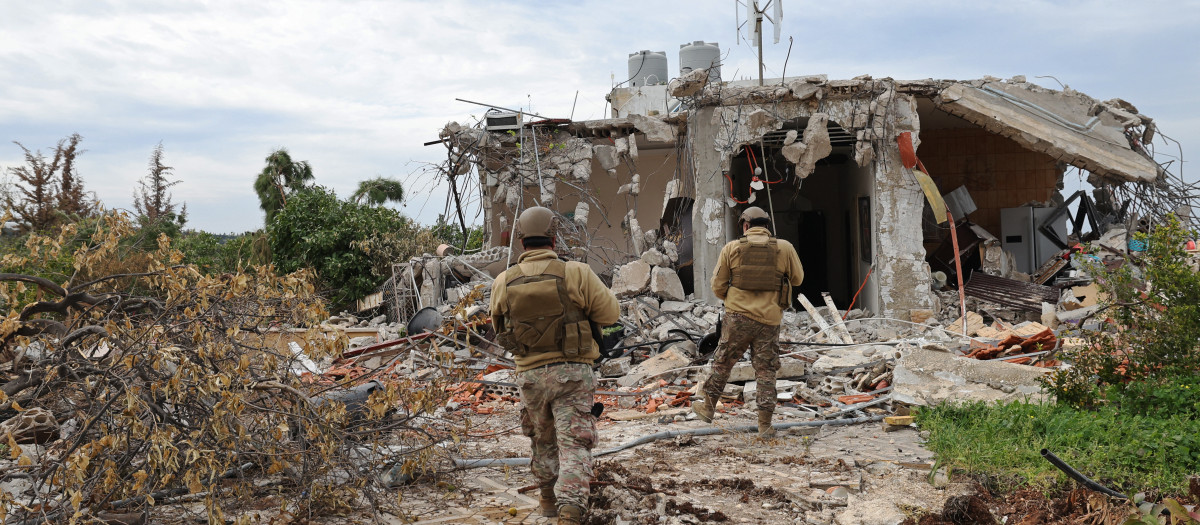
1019, 235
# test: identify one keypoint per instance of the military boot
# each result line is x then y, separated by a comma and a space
705, 409
570, 515
549, 502
765, 430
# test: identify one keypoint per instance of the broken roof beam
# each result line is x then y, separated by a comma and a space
655, 129
1057, 124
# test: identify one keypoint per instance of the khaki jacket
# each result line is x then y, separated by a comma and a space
761, 306
583, 287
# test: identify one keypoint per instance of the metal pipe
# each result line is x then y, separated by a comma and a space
501, 107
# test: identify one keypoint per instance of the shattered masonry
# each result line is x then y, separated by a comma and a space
725, 142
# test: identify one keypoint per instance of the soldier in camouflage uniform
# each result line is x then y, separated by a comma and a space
542, 309
754, 276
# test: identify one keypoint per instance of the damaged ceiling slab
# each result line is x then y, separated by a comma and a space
1066, 125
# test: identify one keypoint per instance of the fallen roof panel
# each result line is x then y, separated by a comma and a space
1064, 125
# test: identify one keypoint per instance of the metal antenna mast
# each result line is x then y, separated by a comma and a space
754, 31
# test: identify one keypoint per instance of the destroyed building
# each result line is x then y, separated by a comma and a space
664, 179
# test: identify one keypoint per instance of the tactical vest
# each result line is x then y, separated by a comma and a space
757, 271
541, 317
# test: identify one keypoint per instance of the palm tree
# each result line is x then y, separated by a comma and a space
378, 191
280, 178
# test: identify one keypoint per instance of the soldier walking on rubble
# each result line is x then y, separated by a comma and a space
541, 308
754, 277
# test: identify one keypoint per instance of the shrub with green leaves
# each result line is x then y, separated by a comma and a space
216, 254
342, 240
1128, 407
1151, 332
452, 234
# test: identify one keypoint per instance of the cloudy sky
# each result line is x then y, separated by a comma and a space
356, 87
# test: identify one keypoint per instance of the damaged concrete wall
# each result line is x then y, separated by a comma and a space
597, 183
875, 114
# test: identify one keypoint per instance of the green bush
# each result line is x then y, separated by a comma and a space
452, 234
351, 246
1164, 398
1128, 407
217, 254
1152, 326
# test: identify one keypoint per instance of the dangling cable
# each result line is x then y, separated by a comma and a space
770, 204
731, 196
764, 177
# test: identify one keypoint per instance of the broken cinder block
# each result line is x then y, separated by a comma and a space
631, 279
616, 367
665, 283
655, 367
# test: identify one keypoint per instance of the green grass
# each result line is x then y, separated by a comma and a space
1126, 451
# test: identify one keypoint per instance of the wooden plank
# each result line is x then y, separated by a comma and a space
826, 334
974, 324
839, 327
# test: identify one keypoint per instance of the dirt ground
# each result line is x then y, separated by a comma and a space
722, 478
842, 475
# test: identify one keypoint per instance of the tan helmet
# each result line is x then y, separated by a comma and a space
535, 222
753, 212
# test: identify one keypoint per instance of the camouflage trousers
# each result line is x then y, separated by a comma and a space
737, 333
557, 418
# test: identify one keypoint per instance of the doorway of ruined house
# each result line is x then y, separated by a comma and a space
818, 214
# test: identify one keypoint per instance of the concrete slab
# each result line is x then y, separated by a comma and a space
1059, 124
670, 358
788, 367
925, 377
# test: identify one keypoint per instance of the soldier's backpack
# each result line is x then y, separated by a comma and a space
541, 316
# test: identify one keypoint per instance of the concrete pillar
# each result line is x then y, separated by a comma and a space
710, 215
904, 282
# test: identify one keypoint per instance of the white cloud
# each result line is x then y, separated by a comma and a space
356, 87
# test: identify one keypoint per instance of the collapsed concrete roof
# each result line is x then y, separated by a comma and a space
1103, 138
1066, 125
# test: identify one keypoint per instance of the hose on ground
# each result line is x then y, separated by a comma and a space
1077, 476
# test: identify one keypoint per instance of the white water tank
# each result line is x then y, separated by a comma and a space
701, 55
647, 68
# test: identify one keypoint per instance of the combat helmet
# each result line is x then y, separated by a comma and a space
535, 222
753, 212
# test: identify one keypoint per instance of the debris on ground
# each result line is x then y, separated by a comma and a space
420, 377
